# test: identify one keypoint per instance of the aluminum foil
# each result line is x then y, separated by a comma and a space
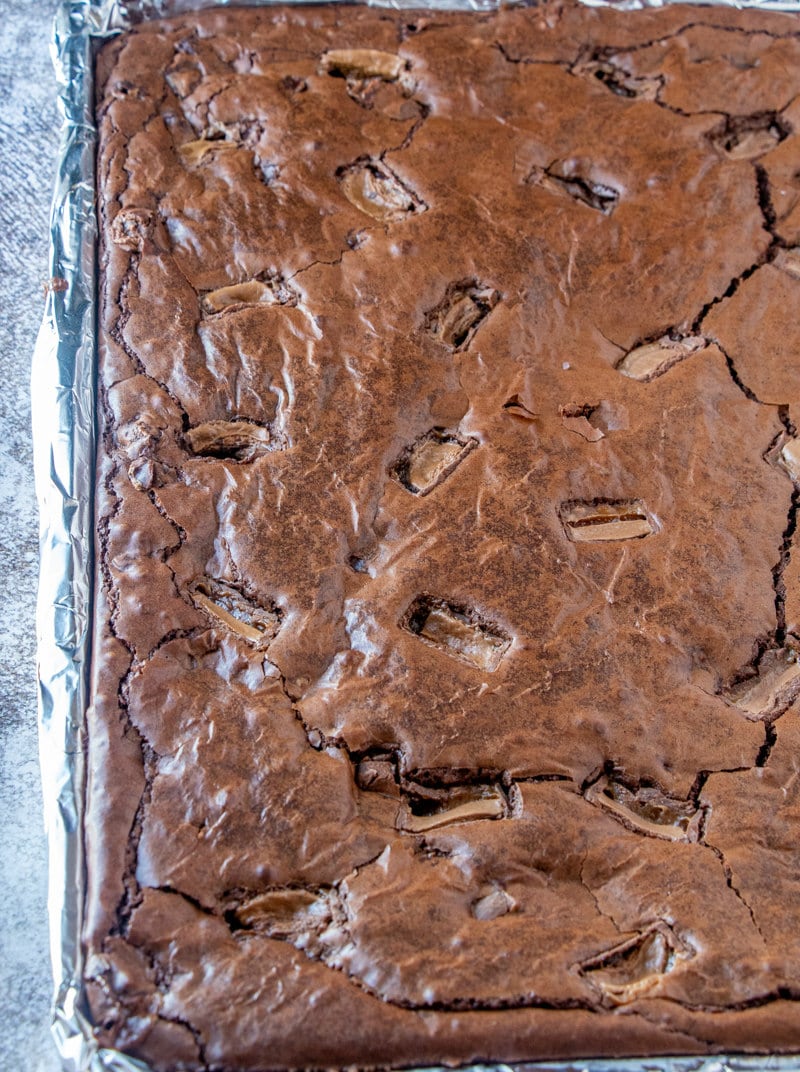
63, 382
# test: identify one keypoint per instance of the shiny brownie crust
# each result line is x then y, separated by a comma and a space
445, 682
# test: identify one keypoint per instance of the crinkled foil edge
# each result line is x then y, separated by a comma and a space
63, 388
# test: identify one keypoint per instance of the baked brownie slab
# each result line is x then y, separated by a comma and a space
445, 667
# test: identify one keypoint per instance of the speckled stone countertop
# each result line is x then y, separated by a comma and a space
28, 143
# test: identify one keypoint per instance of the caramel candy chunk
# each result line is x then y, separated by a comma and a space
457, 317
647, 809
596, 195
745, 137
283, 913
431, 459
373, 187
131, 228
222, 601
193, 152
270, 291
493, 905
363, 63
601, 521
515, 407
142, 473
241, 441
770, 692
631, 969
458, 631
458, 805
653, 359
790, 458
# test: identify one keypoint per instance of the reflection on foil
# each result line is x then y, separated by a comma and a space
63, 424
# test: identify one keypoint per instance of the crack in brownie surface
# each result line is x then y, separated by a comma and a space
445, 693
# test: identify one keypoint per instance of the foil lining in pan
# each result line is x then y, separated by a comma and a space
63, 387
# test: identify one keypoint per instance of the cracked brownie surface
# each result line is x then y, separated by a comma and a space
445, 687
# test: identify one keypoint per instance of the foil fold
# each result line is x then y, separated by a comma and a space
63, 388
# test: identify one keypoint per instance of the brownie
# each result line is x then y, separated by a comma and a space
445, 680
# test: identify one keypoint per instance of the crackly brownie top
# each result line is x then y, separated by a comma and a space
445, 662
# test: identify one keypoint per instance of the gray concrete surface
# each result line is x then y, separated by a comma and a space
28, 139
